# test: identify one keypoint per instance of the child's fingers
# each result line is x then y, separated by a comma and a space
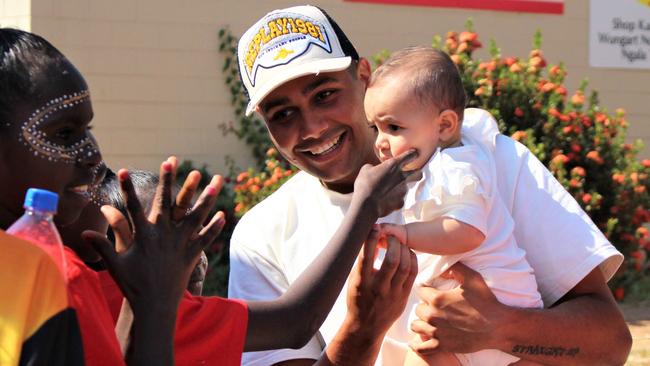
133, 205
406, 157
120, 226
424, 347
186, 194
210, 232
162, 201
204, 204
398, 231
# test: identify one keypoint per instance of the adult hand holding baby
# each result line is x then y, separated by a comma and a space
460, 320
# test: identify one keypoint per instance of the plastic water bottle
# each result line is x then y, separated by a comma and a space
37, 225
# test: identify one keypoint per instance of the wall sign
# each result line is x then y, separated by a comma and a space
619, 35
528, 6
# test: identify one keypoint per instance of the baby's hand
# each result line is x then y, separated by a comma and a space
398, 231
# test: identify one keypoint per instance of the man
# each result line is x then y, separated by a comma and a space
307, 81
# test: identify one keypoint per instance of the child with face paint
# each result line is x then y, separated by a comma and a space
416, 100
45, 142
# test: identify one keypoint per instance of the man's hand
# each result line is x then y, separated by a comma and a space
376, 298
383, 186
461, 320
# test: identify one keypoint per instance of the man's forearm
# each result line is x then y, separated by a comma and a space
352, 345
582, 329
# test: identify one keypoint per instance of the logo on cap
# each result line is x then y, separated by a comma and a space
281, 38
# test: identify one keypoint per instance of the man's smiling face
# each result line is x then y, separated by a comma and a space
317, 122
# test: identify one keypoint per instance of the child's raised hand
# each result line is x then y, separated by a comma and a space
162, 247
383, 186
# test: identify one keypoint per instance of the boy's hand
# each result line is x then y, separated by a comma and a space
383, 186
161, 250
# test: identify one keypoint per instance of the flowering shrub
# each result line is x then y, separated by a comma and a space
252, 187
577, 139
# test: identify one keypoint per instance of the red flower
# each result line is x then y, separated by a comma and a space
595, 156
554, 112
242, 176
560, 159
519, 112
467, 37
578, 98
618, 178
547, 87
619, 293
555, 70
509, 61
642, 232
519, 135
575, 147
645, 163
586, 198
537, 62
515, 68
579, 171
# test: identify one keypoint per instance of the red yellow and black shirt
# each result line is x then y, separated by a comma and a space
38, 326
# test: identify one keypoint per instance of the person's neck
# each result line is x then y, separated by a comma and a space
455, 142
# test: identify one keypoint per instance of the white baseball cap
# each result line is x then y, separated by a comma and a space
287, 44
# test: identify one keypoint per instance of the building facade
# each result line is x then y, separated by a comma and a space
154, 69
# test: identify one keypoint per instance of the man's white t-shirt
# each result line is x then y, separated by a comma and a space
275, 241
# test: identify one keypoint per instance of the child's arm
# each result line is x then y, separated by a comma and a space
294, 318
441, 236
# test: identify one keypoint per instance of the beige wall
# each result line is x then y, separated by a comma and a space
15, 14
154, 71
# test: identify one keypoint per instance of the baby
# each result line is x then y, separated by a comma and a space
416, 100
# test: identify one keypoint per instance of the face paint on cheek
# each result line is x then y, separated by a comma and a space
42, 146
97, 197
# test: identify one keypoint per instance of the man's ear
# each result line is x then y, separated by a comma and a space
364, 70
449, 125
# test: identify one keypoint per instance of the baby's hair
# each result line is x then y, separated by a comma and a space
25, 59
434, 78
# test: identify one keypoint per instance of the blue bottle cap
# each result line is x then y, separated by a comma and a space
41, 200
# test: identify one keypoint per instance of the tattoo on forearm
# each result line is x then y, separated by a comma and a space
552, 351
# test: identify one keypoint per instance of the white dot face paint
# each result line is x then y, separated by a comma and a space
41, 145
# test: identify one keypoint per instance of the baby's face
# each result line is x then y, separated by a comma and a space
401, 121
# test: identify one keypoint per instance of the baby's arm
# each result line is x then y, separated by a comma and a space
442, 236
